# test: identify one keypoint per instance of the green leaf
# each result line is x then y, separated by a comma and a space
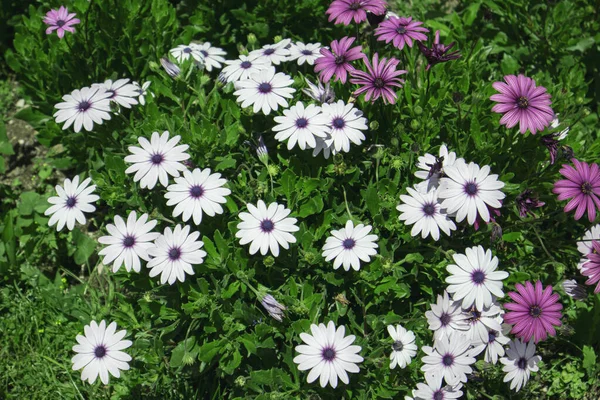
209, 350
589, 360
85, 247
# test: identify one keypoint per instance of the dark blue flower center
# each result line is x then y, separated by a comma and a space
267, 225
535, 311
301, 122
307, 52
492, 336
378, 83
349, 243
339, 123
129, 241
339, 60
264, 87
522, 102
268, 52
445, 319
196, 191
471, 188
187, 50
60, 23
84, 106
246, 64
328, 354
478, 277
397, 346
401, 30
586, 188
113, 93
438, 395
522, 363
156, 159
448, 360
475, 315
355, 6
71, 201
204, 53
175, 253
100, 351
429, 209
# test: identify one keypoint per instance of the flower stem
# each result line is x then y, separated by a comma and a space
346, 202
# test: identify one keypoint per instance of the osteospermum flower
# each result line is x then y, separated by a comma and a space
319, 93
401, 31
591, 268
519, 363
467, 190
156, 159
83, 107
350, 245
431, 168
60, 21
198, 192
305, 53
212, 57
534, 313
121, 91
127, 243
328, 353
99, 352
142, 91
582, 186
266, 228
438, 53
274, 53
273, 307
266, 90
446, 317
522, 102
174, 252
344, 11
346, 124
527, 201
474, 279
432, 389
480, 321
183, 53
72, 201
301, 125
493, 345
403, 348
242, 68
424, 212
574, 290
379, 80
584, 245
171, 69
450, 357
337, 60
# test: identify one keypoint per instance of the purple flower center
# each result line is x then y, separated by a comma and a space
246, 64
478, 277
438, 395
267, 225
349, 243
429, 209
175, 253
156, 159
60, 23
586, 188
84, 106
522, 363
522, 102
401, 30
492, 336
328, 354
204, 53
339, 123
113, 93
100, 351
397, 346
535, 311
339, 60
301, 122
268, 52
187, 50
471, 188
196, 191
264, 87
307, 52
445, 319
71, 201
448, 360
378, 83
129, 241
475, 315
355, 6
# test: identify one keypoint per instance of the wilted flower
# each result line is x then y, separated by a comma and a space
172, 69
552, 141
437, 53
526, 202
319, 93
273, 307
574, 290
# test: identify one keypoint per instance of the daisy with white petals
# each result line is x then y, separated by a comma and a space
301, 125
432, 389
242, 68
266, 90
347, 124
493, 346
196, 193
266, 228
72, 201
446, 317
450, 357
83, 108
519, 363
328, 353
584, 245
212, 57
121, 91
99, 352
184, 52
481, 321
425, 212
468, 190
350, 245
403, 348
474, 278
156, 159
431, 168
142, 91
174, 252
127, 243
274, 53
305, 53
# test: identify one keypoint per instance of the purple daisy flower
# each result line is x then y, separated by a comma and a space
437, 53
337, 61
521, 101
61, 21
582, 186
343, 11
379, 79
591, 268
401, 31
534, 313
526, 202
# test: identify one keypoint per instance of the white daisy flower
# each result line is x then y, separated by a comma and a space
142, 91
171, 69
266, 90
174, 253
301, 125
328, 353
266, 228
425, 212
242, 68
274, 53
519, 362
83, 108
474, 278
449, 358
431, 168
127, 243
121, 91
574, 290
446, 317
319, 93
305, 53
156, 159
350, 245
183, 53
72, 201
325, 145
481, 321
432, 389
99, 352
346, 124
404, 347
493, 346
584, 245
197, 192
212, 57
467, 190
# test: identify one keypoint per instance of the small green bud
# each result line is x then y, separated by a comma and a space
579, 100
415, 124
277, 39
310, 257
397, 163
251, 39
273, 169
269, 261
586, 111
418, 110
395, 142
187, 359
240, 381
340, 168
374, 125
